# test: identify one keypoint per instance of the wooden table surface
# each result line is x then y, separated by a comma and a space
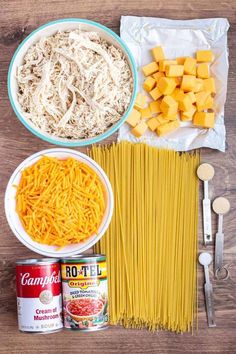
18, 19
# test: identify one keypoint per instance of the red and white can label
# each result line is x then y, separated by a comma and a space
39, 300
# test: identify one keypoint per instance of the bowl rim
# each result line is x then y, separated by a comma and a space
81, 317
78, 249
81, 142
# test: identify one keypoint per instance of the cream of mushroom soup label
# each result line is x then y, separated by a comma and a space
39, 298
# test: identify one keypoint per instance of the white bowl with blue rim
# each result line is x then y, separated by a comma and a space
15, 222
47, 30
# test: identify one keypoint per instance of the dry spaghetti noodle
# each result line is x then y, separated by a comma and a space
151, 244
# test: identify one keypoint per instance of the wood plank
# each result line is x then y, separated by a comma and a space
18, 19
119, 340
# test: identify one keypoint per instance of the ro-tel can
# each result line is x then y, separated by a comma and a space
39, 299
84, 285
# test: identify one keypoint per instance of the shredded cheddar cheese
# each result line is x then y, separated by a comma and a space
60, 202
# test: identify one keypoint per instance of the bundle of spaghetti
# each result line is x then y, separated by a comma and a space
60, 202
151, 243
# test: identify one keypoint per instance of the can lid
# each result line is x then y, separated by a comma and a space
42, 261
85, 257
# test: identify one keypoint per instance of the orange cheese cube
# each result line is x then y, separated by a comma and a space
169, 106
168, 127
203, 71
166, 85
149, 83
178, 93
162, 119
170, 116
158, 53
153, 123
140, 101
134, 118
190, 66
155, 107
191, 96
209, 85
201, 98
157, 75
178, 81
145, 113
175, 93
180, 60
185, 103
204, 119
150, 69
155, 93
158, 78
188, 83
164, 63
174, 70
140, 129
204, 56
180, 96
209, 102
198, 86
185, 116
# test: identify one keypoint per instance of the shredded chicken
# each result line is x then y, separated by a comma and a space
74, 84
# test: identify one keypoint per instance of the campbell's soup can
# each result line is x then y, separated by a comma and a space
84, 287
39, 298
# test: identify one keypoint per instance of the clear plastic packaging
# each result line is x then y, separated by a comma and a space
181, 38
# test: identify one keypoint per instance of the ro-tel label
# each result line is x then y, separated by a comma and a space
83, 275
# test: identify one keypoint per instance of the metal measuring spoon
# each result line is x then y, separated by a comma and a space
221, 206
205, 259
205, 173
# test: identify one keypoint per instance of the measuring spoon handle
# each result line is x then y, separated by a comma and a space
219, 246
207, 221
209, 304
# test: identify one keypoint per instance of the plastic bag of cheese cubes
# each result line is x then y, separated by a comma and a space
183, 70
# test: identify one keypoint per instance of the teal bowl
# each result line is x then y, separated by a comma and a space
45, 31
